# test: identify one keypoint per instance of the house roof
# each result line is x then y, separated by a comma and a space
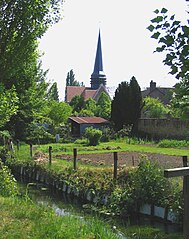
89, 120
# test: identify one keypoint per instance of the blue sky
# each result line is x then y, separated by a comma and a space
126, 44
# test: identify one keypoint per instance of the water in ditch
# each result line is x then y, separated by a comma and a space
64, 204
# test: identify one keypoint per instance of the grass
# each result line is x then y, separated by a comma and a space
23, 219
112, 146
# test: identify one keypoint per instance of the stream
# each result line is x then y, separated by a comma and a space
64, 204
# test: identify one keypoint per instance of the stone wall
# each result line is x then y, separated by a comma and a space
164, 128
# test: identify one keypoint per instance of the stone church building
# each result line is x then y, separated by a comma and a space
98, 80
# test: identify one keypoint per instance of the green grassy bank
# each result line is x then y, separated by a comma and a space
22, 219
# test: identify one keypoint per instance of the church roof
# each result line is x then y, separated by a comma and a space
88, 93
98, 76
72, 91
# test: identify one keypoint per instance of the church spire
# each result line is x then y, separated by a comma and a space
98, 77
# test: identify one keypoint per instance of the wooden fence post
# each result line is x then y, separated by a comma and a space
185, 161
31, 150
50, 155
75, 157
18, 144
115, 165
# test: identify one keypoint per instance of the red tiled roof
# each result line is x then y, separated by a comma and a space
87, 93
72, 91
89, 120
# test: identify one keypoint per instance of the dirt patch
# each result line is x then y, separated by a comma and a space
126, 158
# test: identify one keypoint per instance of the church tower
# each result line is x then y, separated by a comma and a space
98, 77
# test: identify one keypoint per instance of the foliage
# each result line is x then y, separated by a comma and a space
122, 133
165, 143
59, 112
173, 39
154, 108
8, 104
108, 134
77, 103
143, 185
8, 186
38, 134
22, 23
103, 106
93, 135
127, 104
53, 92
70, 79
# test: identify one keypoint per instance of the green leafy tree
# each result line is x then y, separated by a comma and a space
126, 105
8, 104
53, 92
173, 39
77, 103
154, 108
59, 112
89, 108
104, 106
70, 79
22, 23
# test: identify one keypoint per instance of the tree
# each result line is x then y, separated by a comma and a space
89, 108
126, 105
8, 104
22, 23
59, 113
154, 108
77, 103
104, 106
53, 92
70, 79
173, 39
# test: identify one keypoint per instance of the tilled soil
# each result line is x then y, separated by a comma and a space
126, 159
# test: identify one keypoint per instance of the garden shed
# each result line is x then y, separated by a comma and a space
79, 124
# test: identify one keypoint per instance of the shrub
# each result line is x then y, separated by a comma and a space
8, 185
166, 143
93, 135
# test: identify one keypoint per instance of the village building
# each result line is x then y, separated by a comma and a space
164, 94
79, 124
98, 80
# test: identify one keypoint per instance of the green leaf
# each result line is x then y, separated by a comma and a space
160, 49
164, 10
172, 17
157, 19
156, 11
151, 28
185, 30
174, 69
155, 35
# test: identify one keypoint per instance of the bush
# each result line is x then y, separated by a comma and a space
166, 143
144, 185
93, 135
8, 185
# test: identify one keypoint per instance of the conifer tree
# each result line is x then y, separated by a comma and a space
126, 105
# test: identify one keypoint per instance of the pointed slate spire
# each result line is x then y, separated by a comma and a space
98, 77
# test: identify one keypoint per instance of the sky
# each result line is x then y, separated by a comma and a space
127, 48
